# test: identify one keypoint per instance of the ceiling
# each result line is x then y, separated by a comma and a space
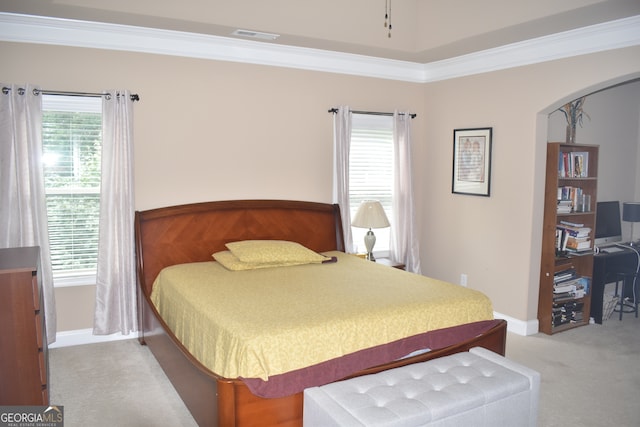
422, 30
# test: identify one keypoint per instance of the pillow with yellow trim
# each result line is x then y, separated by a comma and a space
274, 251
231, 262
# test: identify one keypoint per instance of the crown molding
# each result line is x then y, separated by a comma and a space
96, 35
616, 34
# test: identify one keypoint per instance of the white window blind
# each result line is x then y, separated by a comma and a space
371, 172
72, 137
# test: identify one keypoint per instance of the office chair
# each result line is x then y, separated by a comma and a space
625, 305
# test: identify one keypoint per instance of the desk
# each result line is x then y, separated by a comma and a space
604, 268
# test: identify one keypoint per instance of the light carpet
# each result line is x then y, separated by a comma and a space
118, 383
590, 377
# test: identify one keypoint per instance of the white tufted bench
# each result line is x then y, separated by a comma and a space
475, 388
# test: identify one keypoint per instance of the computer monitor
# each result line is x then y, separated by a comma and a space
608, 223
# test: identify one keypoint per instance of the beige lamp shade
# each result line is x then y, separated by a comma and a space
370, 214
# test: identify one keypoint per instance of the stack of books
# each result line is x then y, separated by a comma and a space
565, 206
568, 285
573, 238
568, 197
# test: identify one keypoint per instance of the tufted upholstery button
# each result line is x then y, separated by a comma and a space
477, 388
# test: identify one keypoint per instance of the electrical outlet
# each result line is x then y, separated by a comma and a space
463, 280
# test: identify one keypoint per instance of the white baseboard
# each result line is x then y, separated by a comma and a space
85, 336
517, 326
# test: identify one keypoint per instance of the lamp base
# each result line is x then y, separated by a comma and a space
369, 242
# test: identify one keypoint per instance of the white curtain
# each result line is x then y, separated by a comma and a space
404, 239
341, 144
116, 309
23, 211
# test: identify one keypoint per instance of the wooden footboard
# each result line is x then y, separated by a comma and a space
243, 409
191, 233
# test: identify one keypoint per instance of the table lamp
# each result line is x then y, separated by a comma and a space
631, 213
370, 215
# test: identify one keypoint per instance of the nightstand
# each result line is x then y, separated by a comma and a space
388, 262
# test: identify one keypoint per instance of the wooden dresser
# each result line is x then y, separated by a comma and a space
24, 370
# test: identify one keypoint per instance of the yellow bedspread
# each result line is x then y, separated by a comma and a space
257, 323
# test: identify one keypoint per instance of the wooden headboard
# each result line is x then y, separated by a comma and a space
193, 232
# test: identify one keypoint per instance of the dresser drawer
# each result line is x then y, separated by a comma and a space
36, 292
39, 331
44, 378
24, 376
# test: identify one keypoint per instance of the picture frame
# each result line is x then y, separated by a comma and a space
472, 161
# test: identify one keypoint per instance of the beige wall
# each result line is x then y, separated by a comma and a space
207, 130
75, 307
496, 240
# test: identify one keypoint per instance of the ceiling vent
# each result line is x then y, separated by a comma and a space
255, 34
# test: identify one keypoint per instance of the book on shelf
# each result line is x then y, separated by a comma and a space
573, 164
568, 194
561, 239
578, 243
565, 206
571, 224
574, 231
580, 164
566, 274
581, 252
567, 284
572, 238
564, 289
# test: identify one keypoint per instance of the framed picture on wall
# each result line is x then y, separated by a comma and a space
472, 161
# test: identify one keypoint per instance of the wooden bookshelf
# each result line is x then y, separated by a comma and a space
567, 180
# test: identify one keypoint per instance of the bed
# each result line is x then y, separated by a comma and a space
172, 237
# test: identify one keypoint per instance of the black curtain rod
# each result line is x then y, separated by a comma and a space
374, 113
133, 96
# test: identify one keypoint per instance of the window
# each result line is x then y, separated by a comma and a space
371, 172
71, 137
